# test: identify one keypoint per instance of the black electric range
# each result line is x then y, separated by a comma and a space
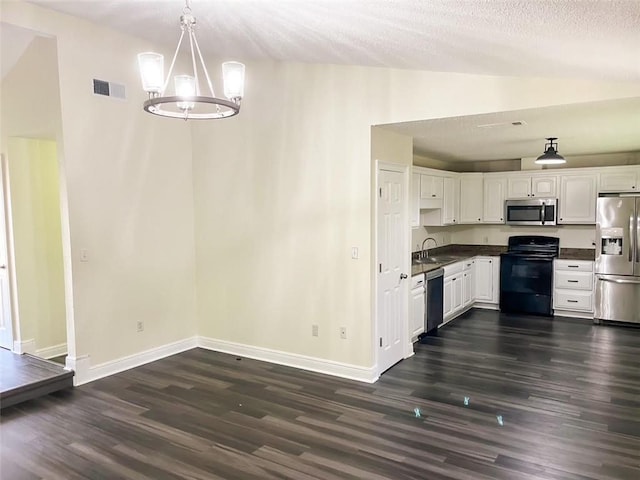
526, 275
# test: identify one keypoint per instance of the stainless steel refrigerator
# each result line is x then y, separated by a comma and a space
618, 258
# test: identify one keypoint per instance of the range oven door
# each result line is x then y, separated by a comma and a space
526, 284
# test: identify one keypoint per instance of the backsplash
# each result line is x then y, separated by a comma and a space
571, 236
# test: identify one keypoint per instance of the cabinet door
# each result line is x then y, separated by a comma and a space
519, 187
493, 205
468, 288
484, 279
495, 289
415, 200
430, 187
619, 181
447, 304
544, 187
471, 196
417, 313
450, 202
577, 203
457, 286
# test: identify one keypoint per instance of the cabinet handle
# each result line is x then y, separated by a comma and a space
572, 301
572, 281
433, 194
489, 261
573, 266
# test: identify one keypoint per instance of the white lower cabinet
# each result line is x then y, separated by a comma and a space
453, 290
573, 290
487, 280
474, 282
468, 283
417, 306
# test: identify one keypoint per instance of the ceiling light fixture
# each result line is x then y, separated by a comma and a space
188, 101
550, 155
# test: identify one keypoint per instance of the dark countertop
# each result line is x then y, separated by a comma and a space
461, 252
577, 254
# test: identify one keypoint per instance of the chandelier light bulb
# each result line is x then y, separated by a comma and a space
233, 76
185, 87
151, 72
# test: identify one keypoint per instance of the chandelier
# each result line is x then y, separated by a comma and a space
188, 100
550, 155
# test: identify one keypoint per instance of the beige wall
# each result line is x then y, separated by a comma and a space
128, 182
35, 202
282, 193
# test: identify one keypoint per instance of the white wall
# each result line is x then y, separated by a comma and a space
129, 187
35, 202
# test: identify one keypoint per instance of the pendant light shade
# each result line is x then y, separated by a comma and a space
551, 155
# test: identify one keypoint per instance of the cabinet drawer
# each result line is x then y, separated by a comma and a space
453, 269
574, 280
569, 300
574, 265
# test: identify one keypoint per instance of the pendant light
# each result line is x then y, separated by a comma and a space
550, 155
187, 100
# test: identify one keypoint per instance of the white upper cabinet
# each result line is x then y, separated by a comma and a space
620, 180
471, 195
415, 200
577, 202
493, 201
431, 187
526, 186
545, 187
451, 208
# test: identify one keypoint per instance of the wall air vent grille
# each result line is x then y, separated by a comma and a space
109, 89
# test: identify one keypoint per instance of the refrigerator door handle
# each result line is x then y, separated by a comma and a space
637, 239
632, 239
619, 280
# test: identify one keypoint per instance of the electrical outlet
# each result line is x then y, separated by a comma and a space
314, 330
343, 333
84, 255
354, 253
485, 239
140, 326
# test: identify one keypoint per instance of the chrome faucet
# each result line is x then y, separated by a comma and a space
425, 253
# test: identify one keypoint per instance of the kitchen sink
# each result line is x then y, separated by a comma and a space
437, 259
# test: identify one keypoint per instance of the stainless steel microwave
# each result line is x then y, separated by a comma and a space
532, 211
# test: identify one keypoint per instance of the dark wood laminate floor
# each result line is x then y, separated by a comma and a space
23, 377
567, 392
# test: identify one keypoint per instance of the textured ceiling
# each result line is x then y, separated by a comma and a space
568, 38
582, 129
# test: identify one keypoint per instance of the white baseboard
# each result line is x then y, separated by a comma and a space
52, 351
303, 362
486, 306
25, 346
565, 313
85, 373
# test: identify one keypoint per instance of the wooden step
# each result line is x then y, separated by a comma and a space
24, 377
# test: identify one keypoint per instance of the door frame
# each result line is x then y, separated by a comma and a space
8, 242
406, 232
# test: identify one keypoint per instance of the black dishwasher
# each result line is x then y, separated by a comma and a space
434, 298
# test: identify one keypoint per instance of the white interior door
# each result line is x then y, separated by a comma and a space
392, 293
6, 326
